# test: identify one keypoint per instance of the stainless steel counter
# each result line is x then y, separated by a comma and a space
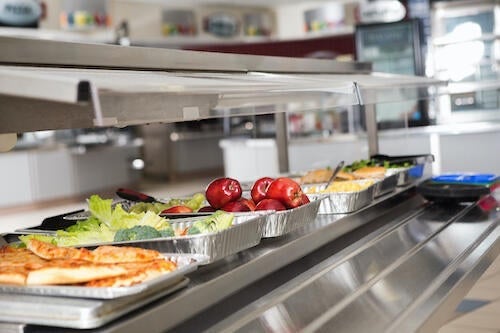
399, 265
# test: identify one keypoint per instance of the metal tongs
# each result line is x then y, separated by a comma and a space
335, 172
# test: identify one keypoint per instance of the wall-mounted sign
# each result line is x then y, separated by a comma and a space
382, 11
20, 13
222, 25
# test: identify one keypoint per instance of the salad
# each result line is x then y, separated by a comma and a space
111, 223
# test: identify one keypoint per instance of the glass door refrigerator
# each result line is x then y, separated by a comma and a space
395, 48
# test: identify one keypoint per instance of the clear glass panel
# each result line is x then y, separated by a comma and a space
485, 22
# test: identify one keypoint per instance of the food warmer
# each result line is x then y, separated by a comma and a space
400, 264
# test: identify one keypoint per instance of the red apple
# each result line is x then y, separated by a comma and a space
285, 190
259, 188
248, 202
206, 209
223, 190
305, 199
177, 209
270, 204
235, 206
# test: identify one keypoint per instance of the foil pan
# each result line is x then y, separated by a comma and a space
283, 222
343, 202
245, 233
407, 175
79, 313
185, 264
386, 185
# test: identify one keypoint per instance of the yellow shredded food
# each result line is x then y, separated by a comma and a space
344, 186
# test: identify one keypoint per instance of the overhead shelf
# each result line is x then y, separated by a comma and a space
71, 85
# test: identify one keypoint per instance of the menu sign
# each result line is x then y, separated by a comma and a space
383, 11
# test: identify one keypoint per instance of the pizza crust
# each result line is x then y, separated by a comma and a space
107, 266
59, 274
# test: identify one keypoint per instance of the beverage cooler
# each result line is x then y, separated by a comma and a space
382, 259
395, 48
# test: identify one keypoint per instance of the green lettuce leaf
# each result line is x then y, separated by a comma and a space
101, 208
153, 220
101, 235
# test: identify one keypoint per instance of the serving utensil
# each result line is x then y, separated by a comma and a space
136, 196
335, 172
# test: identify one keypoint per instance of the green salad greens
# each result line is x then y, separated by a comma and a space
195, 202
370, 163
109, 223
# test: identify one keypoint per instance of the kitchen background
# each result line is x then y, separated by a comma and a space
449, 40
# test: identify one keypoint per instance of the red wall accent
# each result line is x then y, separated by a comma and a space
335, 45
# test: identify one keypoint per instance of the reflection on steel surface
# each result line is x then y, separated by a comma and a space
389, 284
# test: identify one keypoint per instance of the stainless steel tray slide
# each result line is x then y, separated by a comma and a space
78, 313
343, 202
392, 281
283, 222
186, 263
245, 232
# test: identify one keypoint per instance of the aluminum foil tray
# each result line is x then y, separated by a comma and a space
386, 185
343, 202
79, 313
283, 222
185, 265
246, 232
407, 175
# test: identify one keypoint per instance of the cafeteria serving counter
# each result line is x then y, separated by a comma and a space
400, 265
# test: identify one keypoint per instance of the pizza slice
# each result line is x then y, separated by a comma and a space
15, 275
49, 251
64, 271
13, 257
137, 273
107, 266
124, 254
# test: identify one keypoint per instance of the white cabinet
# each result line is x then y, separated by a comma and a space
48, 174
15, 179
51, 174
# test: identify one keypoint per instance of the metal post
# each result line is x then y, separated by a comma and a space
370, 121
281, 121
371, 128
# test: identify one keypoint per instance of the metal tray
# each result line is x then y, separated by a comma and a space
343, 202
246, 232
77, 312
386, 185
283, 222
407, 175
186, 264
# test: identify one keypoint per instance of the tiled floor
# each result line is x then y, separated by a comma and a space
486, 292
485, 319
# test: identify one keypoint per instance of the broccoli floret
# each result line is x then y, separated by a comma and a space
167, 232
136, 233
193, 230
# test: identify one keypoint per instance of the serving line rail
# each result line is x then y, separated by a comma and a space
401, 264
